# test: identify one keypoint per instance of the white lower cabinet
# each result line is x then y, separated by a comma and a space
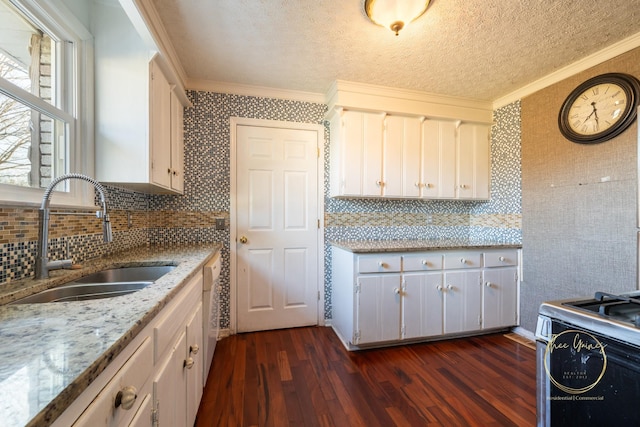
423, 305
157, 379
378, 308
462, 301
177, 385
499, 303
390, 297
118, 402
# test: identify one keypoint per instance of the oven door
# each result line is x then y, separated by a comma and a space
586, 379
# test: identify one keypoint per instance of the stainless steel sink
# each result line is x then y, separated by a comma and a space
127, 274
102, 284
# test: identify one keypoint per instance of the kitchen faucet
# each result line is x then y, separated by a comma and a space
43, 265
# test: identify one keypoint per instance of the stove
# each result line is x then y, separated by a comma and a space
588, 361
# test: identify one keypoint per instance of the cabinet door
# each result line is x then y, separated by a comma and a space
194, 365
356, 154
438, 159
160, 127
169, 386
401, 157
371, 149
422, 302
500, 297
377, 308
143, 417
177, 144
462, 301
473, 162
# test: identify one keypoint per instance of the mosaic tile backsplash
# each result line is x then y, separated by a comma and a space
140, 219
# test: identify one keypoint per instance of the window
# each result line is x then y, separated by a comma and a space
42, 52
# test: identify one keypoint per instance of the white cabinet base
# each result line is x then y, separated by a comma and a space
385, 299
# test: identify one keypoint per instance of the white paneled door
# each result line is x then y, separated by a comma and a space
276, 228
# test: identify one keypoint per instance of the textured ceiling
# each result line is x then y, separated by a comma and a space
480, 49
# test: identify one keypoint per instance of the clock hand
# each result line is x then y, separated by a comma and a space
593, 104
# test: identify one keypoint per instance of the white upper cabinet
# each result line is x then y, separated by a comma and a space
401, 156
138, 115
438, 159
394, 156
356, 154
473, 168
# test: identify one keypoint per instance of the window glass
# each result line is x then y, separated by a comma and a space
33, 145
34, 118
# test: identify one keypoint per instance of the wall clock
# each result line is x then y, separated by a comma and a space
599, 109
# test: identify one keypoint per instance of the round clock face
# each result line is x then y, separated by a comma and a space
599, 109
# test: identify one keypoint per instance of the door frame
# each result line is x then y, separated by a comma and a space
233, 285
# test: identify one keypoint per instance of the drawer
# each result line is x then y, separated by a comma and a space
455, 260
174, 317
134, 373
379, 263
422, 262
501, 258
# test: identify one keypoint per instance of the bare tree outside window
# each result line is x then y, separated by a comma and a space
15, 127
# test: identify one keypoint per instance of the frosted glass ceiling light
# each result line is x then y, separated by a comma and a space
394, 14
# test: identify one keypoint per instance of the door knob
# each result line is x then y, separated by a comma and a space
243, 240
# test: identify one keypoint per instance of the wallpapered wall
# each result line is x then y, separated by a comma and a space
579, 202
190, 218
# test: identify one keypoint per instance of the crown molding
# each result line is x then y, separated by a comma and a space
368, 97
249, 90
583, 64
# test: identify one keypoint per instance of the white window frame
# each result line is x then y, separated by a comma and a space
77, 104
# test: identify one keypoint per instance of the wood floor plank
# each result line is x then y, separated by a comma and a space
305, 377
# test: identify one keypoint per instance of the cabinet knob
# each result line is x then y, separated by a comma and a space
463, 261
501, 258
188, 363
396, 291
464, 186
194, 349
126, 397
175, 173
439, 287
243, 240
450, 287
169, 171
428, 185
419, 184
425, 262
382, 264
488, 284
380, 183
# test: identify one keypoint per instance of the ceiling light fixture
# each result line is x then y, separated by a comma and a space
394, 14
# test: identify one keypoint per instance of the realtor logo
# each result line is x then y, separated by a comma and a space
572, 350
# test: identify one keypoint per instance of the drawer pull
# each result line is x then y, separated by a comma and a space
382, 264
194, 349
501, 258
188, 363
463, 261
126, 397
425, 262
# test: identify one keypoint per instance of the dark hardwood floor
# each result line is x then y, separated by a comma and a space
305, 377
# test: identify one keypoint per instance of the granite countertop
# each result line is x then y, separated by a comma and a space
49, 353
416, 245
